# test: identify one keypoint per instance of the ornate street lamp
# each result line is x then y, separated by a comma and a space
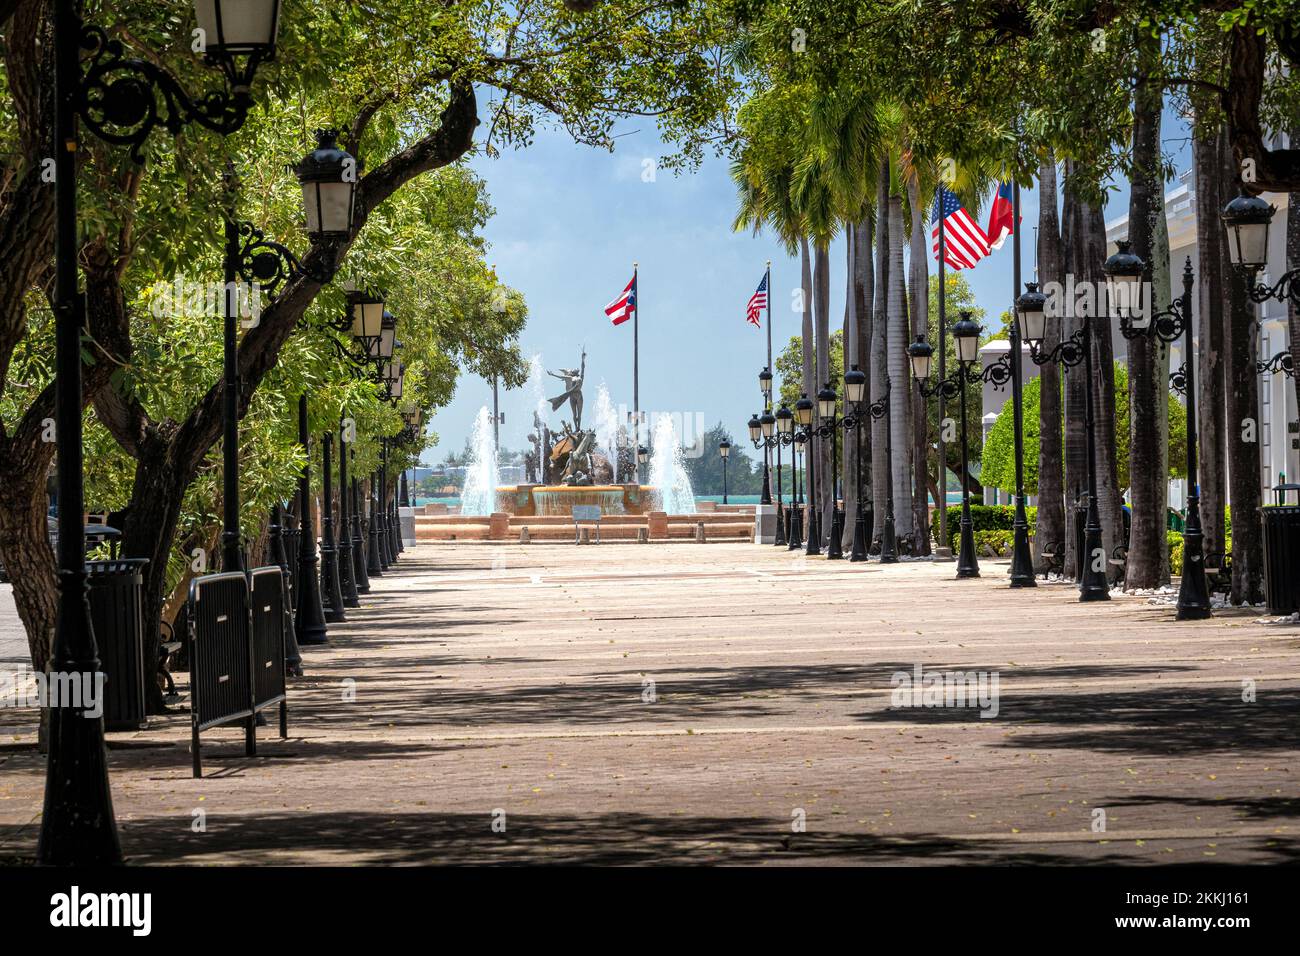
795, 535
784, 437
855, 393
765, 434
1167, 326
965, 334
331, 583
1247, 219
765, 389
803, 417
121, 100
328, 176
1068, 353
827, 427
309, 619
724, 451
346, 561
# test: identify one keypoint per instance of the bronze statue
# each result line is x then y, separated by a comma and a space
572, 378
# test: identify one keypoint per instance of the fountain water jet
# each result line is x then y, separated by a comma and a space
667, 476
479, 495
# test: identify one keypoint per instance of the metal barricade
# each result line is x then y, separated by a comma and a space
268, 642
221, 686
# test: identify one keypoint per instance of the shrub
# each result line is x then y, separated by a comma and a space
983, 518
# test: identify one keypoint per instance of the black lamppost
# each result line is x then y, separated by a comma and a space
855, 388
724, 450
122, 100
331, 585
765, 389
795, 537
1125, 277
1068, 353
765, 434
359, 571
966, 336
309, 621
347, 569
784, 436
376, 563
803, 417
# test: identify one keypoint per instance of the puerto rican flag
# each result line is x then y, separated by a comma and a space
623, 308
964, 241
1001, 217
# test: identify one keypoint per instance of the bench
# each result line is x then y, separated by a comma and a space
1119, 559
1053, 555
585, 515
1218, 572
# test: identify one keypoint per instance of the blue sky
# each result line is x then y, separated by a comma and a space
571, 220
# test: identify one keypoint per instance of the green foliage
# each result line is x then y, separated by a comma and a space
998, 462
991, 518
789, 370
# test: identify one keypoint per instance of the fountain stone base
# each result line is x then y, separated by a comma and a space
559, 500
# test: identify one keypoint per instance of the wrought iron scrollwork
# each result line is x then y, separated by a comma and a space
123, 99
1178, 380
1068, 352
996, 374
1287, 287
1281, 362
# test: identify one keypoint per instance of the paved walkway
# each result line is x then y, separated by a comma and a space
693, 703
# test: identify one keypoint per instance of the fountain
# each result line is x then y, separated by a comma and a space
668, 478
479, 495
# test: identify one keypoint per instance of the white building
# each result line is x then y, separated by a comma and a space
1278, 430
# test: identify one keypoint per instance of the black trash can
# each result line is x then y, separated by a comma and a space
114, 591
1282, 558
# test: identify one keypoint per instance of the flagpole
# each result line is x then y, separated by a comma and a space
636, 382
943, 550
1022, 562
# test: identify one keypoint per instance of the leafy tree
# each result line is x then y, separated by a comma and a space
997, 464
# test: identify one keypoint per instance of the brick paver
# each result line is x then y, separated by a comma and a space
690, 703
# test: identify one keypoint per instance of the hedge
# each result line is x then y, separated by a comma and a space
983, 518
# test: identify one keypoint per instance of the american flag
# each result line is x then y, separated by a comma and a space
964, 241
757, 303
622, 308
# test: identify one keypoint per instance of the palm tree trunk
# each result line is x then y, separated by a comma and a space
1050, 527
822, 318
1076, 438
1293, 262
1211, 400
1146, 470
1241, 347
920, 319
900, 408
880, 354
849, 450
863, 291
1162, 286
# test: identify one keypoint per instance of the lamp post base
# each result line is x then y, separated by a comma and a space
835, 547
889, 542
1022, 563
1193, 590
968, 565
796, 529
859, 552
780, 525
813, 545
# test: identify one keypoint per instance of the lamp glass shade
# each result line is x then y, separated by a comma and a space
767, 422
826, 399
966, 333
367, 317
724, 448
238, 26
784, 421
1031, 311
642, 455
328, 176
765, 381
921, 354
1247, 220
755, 428
855, 385
803, 411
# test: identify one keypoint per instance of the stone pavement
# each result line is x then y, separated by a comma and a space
727, 703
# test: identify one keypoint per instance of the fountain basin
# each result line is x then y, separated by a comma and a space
559, 500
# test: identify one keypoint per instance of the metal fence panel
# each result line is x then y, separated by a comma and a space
219, 648
268, 636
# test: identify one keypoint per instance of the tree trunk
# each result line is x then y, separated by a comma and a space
1293, 262
863, 292
880, 355
822, 316
1076, 438
1050, 526
850, 334
1208, 148
920, 319
1162, 291
900, 407
809, 367
1146, 470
